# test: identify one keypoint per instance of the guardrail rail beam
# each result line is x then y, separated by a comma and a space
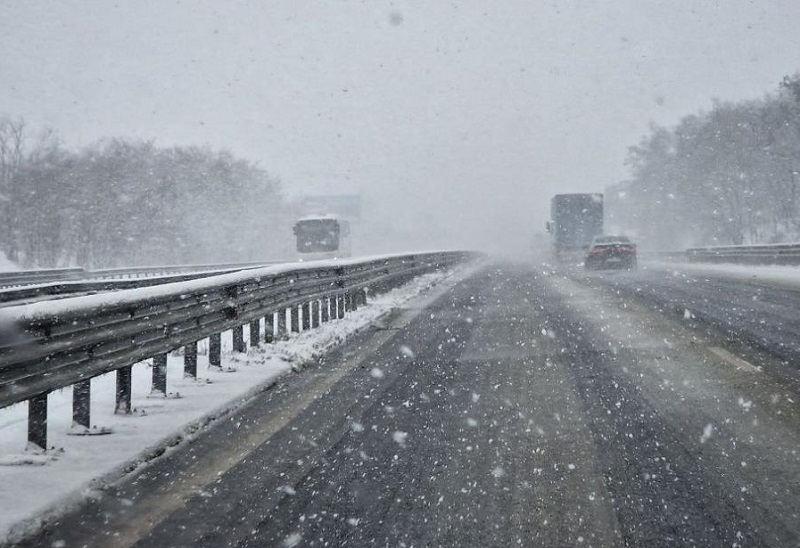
69, 341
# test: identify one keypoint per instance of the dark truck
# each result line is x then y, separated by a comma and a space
575, 220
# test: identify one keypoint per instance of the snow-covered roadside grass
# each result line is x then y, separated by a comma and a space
38, 487
6, 265
785, 275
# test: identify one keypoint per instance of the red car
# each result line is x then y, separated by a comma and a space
611, 252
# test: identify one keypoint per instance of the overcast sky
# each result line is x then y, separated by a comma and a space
456, 121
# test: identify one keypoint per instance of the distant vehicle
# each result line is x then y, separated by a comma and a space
575, 220
327, 225
611, 252
322, 237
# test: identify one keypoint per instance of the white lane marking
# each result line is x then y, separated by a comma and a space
735, 361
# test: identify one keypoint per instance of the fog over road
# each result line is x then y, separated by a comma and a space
521, 407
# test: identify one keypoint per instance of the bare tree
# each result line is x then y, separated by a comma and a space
729, 175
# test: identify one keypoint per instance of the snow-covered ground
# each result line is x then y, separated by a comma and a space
6, 265
783, 275
36, 486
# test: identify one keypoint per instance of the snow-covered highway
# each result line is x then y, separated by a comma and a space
523, 406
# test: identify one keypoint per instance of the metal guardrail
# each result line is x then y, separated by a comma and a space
67, 288
775, 254
663, 255
26, 277
55, 344
30, 277
147, 271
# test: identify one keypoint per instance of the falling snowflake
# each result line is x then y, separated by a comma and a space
400, 437
292, 540
707, 431
407, 352
745, 404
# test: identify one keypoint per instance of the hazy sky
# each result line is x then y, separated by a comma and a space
456, 121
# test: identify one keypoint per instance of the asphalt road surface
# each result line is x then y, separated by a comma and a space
755, 315
519, 408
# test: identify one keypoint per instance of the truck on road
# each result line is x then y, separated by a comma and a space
323, 229
322, 237
574, 220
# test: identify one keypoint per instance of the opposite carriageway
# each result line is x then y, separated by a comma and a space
50, 275
29, 286
56, 344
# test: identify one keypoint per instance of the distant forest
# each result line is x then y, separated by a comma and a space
727, 176
130, 203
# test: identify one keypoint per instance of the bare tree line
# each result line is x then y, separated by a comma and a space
128, 203
727, 176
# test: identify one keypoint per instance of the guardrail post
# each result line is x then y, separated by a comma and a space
306, 308
352, 302
124, 389
294, 312
362, 296
238, 339
282, 326
215, 350
37, 422
269, 328
82, 404
326, 309
315, 313
255, 333
340, 300
190, 360
159, 384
